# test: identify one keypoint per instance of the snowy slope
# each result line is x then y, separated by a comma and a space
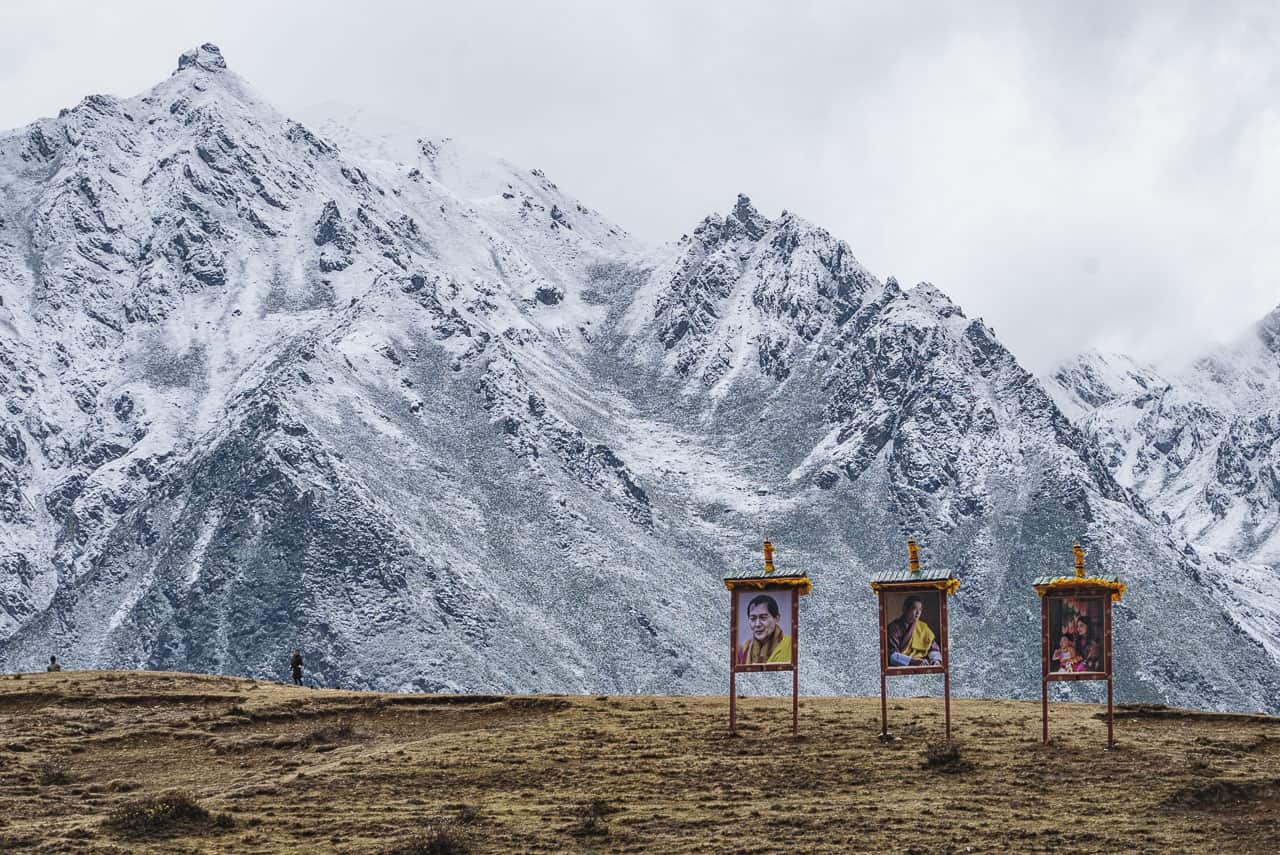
430, 417
1199, 443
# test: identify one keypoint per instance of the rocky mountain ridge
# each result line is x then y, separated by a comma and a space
446, 427
1199, 443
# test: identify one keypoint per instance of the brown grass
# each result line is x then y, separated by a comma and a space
53, 770
313, 771
166, 815
438, 838
945, 757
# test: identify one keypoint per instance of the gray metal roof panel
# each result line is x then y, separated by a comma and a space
760, 574
1045, 580
925, 575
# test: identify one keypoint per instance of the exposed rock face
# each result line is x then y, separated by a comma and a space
442, 425
206, 57
1201, 446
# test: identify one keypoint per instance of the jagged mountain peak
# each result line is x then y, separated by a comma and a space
1096, 377
1269, 330
746, 215
1199, 442
746, 295
742, 223
206, 57
926, 294
263, 388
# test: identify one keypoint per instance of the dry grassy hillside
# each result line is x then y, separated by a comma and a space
134, 762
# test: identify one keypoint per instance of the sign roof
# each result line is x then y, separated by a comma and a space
761, 579
1063, 581
923, 575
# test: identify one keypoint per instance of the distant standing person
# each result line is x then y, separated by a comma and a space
53, 664
295, 665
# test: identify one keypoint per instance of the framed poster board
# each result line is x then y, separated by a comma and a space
1075, 639
913, 629
766, 623
764, 629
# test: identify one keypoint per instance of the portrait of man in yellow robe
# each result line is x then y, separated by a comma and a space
911, 642
767, 644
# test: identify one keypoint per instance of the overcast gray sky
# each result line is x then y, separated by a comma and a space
1076, 173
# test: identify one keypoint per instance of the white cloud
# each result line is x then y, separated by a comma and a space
1082, 174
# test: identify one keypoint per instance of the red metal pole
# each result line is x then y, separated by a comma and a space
884, 708
1044, 707
733, 702
733, 670
884, 703
946, 664
795, 662
946, 691
1044, 666
1111, 733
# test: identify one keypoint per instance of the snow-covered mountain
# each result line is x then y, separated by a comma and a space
1200, 444
427, 416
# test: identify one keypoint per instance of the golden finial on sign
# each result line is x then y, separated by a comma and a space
1079, 551
768, 557
913, 556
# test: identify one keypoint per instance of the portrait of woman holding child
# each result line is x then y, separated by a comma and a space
1076, 624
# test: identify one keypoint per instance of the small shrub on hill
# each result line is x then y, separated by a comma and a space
165, 815
945, 757
1200, 763
438, 838
328, 733
54, 770
591, 818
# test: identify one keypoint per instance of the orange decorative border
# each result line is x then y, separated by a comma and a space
802, 584
947, 586
1083, 584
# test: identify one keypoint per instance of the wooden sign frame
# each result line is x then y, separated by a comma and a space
1082, 591
883, 590
764, 582
793, 666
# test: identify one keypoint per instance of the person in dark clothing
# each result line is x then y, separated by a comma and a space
295, 665
1083, 634
53, 664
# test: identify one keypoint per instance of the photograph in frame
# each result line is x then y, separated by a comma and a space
764, 627
912, 630
1076, 644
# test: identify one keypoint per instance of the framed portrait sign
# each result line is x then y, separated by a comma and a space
764, 629
913, 631
766, 639
913, 628
1076, 639
1076, 644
